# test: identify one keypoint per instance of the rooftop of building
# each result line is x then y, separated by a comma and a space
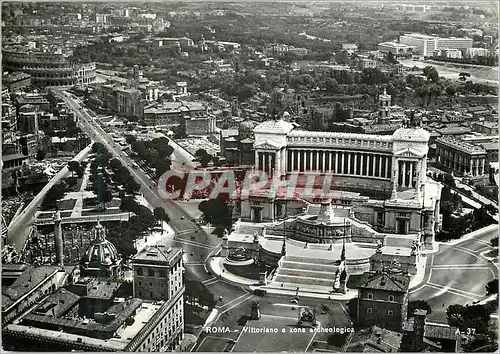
453, 130
375, 340
158, 253
25, 283
385, 281
487, 124
419, 36
102, 289
460, 144
393, 44
14, 76
433, 330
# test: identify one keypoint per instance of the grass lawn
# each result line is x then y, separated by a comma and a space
212, 344
67, 204
194, 317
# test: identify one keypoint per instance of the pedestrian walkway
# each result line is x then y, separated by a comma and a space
216, 267
419, 277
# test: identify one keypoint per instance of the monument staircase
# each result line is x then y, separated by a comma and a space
312, 275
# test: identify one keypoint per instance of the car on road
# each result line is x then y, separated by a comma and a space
294, 301
260, 292
134, 165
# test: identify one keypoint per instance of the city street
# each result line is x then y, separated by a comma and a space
456, 274
197, 245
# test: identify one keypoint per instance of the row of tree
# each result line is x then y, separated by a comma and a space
156, 153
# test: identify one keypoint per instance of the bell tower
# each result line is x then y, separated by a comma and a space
384, 106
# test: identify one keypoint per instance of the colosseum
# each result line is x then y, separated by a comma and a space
48, 69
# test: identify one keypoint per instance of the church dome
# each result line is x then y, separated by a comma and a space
101, 254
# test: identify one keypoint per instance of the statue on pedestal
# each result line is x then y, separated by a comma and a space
307, 318
255, 312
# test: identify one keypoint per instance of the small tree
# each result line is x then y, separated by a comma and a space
40, 155
494, 242
418, 304
73, 165
492, 287
160, 215
106, 197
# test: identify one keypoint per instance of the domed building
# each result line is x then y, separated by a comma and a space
237, 144
101, 258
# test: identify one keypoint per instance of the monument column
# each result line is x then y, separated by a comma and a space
256, 159
374, 157
336, 162
361, 165
482, 166
317, 160
349, 163
299, 166
311, 160
380, 165
410, 179
395, 176
277, 165
404, 174
269, 164
342, 163
355, 163
324, 161
58, 239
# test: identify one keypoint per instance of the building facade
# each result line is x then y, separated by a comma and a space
461, 156
158, 275
48, 69
391, 169
383, 300
422, 44
394, 48
16, 81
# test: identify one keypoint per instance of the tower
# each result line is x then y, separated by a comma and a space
384, 104
419, 329
58, 239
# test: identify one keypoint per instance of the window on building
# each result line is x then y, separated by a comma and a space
162, 273
370, 296
151, 294
391, 297
369, 310
139, 271
390, 312
140, 293
162, 285
140, 283
151, 272
150, 284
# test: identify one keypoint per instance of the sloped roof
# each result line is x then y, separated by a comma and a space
386, 281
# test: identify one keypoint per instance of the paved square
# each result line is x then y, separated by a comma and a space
286, 335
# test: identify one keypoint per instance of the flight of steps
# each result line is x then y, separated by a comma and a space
312, 275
